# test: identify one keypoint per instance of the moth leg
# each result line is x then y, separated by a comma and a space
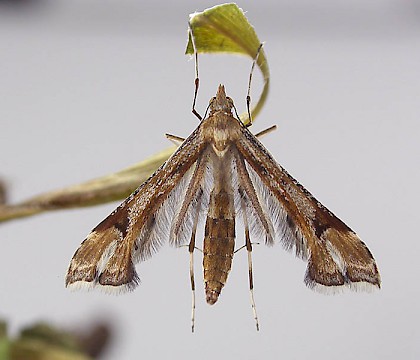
251, 281
191, 248
265, 131
177, 140
248, 246
197, 81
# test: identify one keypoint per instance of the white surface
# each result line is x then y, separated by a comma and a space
87, 88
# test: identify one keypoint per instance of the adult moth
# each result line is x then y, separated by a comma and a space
222, 173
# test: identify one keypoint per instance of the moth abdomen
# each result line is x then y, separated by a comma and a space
217, 262
219, 244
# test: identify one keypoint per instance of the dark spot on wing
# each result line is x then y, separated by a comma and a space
319, 227
290, 223
241, 193
118, 219
325, 220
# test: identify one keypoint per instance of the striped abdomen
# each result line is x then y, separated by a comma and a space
219, 236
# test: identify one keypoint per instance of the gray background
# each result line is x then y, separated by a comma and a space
90, 87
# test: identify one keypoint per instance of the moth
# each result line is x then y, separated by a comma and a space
220, 174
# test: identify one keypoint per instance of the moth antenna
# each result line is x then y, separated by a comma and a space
236, 112
197, 79
248, 95
207, 109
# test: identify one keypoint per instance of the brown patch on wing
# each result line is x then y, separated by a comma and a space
85, 262
358, 261
322, 269
120, 269
118, 219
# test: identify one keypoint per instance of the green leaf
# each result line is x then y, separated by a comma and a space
225, 29
102, 190
4, 341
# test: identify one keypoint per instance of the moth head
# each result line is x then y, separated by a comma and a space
221, 102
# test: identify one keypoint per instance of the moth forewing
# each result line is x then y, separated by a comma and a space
336, 255
135, 229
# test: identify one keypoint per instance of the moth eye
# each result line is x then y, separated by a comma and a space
213, 99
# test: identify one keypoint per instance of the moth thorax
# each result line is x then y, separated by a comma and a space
220, 141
